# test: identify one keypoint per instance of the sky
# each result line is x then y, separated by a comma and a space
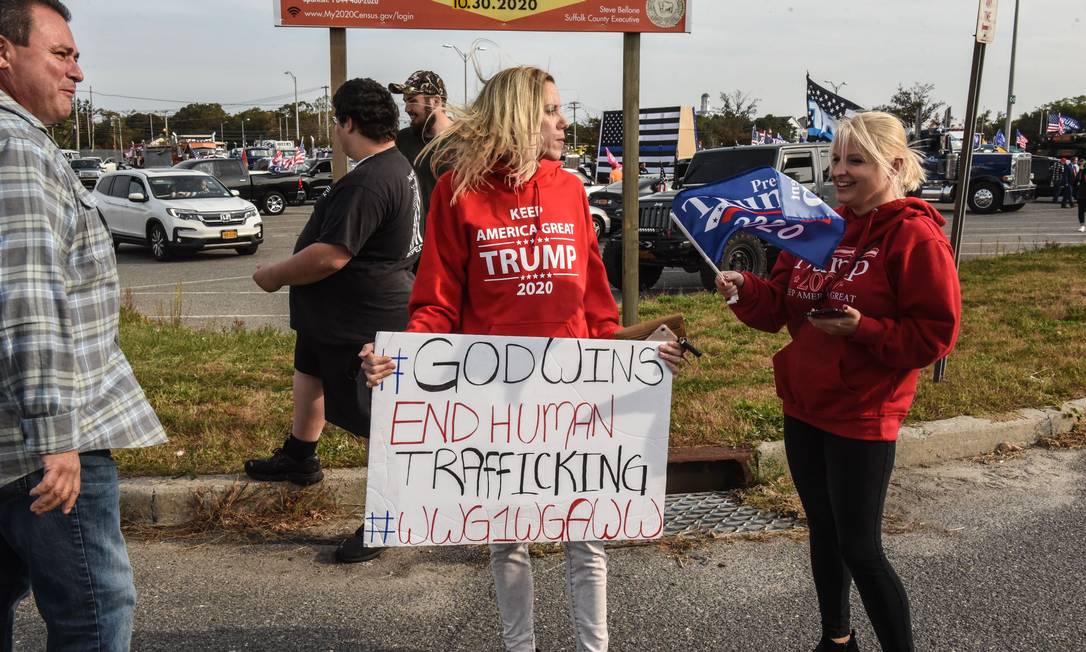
230, 52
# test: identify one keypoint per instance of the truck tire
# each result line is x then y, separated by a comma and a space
647, 275
1015, 207
985, 197
273, 203
744, 253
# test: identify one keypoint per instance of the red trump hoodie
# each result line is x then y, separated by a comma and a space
513, 261
904, 283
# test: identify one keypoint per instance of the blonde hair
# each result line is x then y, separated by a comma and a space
500, 129
880, 138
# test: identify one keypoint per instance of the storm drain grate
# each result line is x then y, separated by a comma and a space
715, 512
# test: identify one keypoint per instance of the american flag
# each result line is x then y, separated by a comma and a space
658, 136
1020, 139
823, 110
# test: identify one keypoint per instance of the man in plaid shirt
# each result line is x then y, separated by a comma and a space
67, 394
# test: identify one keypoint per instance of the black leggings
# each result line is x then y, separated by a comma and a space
842, 484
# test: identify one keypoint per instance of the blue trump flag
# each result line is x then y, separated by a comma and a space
763, 202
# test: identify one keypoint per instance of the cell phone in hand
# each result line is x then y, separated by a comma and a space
827, 313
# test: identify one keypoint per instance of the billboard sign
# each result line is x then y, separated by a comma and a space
511, 15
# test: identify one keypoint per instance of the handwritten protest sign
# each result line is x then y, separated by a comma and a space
480, 439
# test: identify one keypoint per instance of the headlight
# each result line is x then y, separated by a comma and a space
183, 214
251, 214
1007, 178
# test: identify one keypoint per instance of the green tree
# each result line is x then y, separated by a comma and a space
915, 106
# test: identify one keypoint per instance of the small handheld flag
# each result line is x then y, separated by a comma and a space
765, 203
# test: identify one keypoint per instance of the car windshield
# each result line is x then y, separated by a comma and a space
188, 187
85, 164
255, 152
714, 166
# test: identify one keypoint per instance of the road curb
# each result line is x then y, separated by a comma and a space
956, 438
177, 501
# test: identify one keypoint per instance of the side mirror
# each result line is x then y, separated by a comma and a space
235, 193
137, 196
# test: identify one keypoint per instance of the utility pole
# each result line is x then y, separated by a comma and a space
90, 118
297, 123
1010, 82
78, 145
327, 117
151, 118
575, 105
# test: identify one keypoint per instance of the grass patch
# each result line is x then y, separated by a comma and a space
224, 395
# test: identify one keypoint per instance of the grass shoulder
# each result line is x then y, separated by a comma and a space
224, 395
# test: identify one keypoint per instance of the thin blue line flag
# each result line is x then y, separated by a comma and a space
765, 203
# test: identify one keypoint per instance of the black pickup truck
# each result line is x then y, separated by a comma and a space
269, 192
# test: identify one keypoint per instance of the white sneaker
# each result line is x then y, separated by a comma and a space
1082, 229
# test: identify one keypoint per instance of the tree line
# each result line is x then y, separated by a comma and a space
729, 124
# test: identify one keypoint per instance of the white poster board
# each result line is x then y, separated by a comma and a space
478, 439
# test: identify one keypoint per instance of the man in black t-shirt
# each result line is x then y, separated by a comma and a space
350, 276
424, 99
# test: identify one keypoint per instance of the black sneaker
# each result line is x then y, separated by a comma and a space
354, 550
282, 467
827, 644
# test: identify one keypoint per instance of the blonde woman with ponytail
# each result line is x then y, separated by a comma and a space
510, 250
887, 306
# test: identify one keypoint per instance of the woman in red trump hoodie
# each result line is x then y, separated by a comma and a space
510, 250
888, 305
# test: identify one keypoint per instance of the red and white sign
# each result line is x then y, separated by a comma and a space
986, 21
519, 15
478, 439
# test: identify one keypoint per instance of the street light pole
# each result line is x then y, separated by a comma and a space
1010, 82
835, 86
464, 56
243, 131
297, 132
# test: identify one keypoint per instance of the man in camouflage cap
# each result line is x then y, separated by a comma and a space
424, 97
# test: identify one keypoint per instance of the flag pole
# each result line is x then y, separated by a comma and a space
697, 247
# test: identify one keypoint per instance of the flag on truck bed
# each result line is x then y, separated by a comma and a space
765, 203
664, 134
823, 110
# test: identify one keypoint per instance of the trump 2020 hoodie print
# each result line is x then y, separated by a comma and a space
904, 283
513, 261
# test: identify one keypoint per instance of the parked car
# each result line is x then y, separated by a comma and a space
88, 169
599, 217
608, 202
660, 245
270, 192
171, 210
316, 177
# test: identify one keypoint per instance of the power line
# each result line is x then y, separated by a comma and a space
256, 102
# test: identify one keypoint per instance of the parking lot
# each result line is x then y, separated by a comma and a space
215, 288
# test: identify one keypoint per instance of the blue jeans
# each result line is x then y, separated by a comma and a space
76, 564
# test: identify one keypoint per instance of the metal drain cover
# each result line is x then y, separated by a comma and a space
715, 512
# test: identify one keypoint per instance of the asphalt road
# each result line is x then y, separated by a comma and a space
991, 555
215, 288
